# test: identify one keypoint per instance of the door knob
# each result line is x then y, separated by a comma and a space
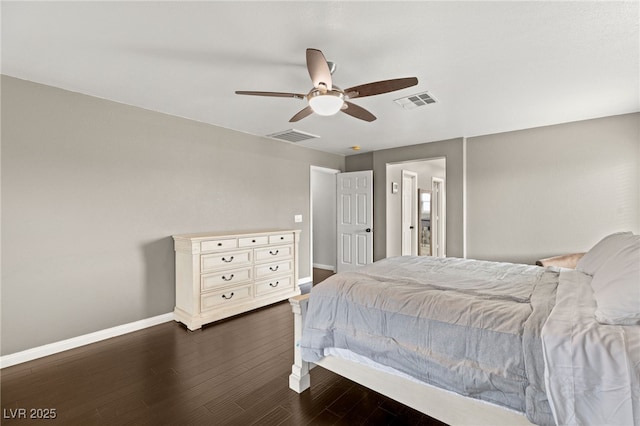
368, 230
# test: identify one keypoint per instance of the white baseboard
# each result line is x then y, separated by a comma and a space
305, 280
75, 342
305, 284
327, 267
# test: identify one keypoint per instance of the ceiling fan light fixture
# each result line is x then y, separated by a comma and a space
325, 98
328, 103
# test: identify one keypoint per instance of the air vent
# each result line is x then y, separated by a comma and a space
415, 101
292, 135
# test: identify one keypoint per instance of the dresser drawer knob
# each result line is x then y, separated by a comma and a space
253, 241
273, 270
274, 285
224, 277
224, 296
219, 244
272, 253
227, 261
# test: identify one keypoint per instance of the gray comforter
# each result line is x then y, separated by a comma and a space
469, 326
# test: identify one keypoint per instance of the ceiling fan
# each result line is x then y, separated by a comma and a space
325, 98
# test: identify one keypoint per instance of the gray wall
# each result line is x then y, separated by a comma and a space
452, 151
92, 191
529, 194
552, 190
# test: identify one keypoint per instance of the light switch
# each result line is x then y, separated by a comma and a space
297, 218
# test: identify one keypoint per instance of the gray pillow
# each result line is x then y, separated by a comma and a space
602, 251
616, 279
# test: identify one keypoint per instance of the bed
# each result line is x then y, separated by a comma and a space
476, 342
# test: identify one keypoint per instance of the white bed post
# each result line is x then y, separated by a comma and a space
299, 380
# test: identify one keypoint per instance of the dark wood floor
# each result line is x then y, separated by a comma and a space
232, 372
320, 275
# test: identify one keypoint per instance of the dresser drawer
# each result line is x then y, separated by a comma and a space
275, 284
224, 278
227, 296
280, 238
253, 241
215, 261
222, 244
274, 268
273, 253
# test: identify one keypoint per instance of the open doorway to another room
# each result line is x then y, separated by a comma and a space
410, 226
323, 222
415, 205
437, 218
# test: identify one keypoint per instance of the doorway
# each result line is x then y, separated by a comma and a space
341, 219
438, 217
409, 213
428, 171
322, 220
424, 226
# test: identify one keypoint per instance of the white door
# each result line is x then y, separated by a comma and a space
438, 218
409, 213
355, 219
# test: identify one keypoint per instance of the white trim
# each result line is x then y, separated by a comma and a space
75, 342
464, 198
305, 280
318, 169
327, 267
325, 170
86, 339
305, 285
442, 214
413, 210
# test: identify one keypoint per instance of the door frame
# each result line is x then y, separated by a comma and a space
393, 239
312, 230
412, 210
439, 194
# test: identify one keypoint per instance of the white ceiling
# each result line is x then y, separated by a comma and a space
492, 66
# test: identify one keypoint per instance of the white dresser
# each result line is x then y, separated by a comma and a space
220, 275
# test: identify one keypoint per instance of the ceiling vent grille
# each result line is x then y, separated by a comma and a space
292, 135
415, 101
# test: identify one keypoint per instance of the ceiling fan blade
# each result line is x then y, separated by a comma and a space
318, 69
358, 112
302, 114
274, 94
380, 87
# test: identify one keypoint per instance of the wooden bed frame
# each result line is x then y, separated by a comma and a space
446, 406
